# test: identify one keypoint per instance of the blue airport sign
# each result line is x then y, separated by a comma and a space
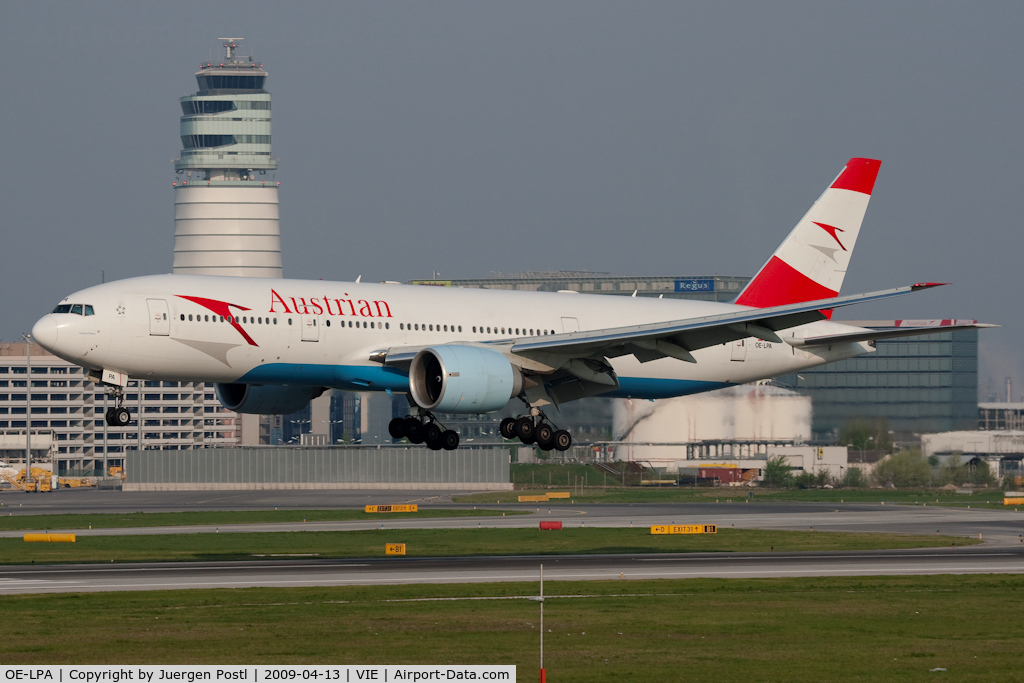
695, 285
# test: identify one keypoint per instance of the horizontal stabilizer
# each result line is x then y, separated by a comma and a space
889, 333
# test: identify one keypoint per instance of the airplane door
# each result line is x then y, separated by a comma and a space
570, 325
739, 349
310, 328
159, 321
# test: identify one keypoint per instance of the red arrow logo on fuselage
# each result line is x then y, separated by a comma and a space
831, 229
223, 309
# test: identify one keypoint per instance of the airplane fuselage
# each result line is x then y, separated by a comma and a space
320, 333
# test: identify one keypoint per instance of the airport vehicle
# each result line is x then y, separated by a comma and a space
273, 345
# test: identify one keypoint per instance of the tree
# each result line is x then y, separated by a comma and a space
804, 480
953, 471
854, 478
981, 474
906, 469
777, 472
866, 435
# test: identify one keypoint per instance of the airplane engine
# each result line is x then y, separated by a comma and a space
452, 378
266, 399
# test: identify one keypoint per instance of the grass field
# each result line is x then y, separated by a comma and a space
14, 521
442, 543
983, 498
829, 629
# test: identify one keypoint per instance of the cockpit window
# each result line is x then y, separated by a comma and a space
76, 309
88, 309
62, 308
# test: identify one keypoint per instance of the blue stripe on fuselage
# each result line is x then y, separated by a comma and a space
380, 378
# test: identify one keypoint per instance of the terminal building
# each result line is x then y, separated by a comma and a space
67, 412
918, 385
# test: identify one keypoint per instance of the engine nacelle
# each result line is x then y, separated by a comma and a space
266, 399
453, 378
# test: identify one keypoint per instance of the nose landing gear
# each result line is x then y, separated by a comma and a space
535, 428
117, 416
424, 428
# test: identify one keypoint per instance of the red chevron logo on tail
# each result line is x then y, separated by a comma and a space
831, 229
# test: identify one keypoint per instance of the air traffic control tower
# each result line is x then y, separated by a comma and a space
225, 204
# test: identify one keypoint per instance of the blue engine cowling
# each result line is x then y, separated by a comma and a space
266, 399
453, 378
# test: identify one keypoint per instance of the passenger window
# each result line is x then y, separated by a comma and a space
76, 309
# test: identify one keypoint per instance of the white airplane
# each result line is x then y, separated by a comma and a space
271, 346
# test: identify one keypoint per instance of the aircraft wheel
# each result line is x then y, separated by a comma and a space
109, 417
563, 440
414, 430
450, 440
122, 417
432, 434
507, 428
396, 428
525, 429
545, 436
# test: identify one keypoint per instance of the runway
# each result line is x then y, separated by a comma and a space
1002, 552
289, 573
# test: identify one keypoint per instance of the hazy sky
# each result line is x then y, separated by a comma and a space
654, 138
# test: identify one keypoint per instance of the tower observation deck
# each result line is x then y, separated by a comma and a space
226, 219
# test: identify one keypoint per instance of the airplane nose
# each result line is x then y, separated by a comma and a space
44, 332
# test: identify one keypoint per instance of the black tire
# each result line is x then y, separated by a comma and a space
432, 434
563, 440
545, 435
122, 417
396, 428
432, 437
109, 417
413, 430
507, 428
525, 429
450, 440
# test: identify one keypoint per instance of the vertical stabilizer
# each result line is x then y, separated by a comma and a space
811, 263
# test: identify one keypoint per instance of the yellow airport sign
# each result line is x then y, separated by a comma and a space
49, 538
659, 529
533, 499
559, 494
394, 549
1013, 501
391, 508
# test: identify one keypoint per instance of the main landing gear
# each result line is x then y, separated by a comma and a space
424, 428
535, 428
117, 416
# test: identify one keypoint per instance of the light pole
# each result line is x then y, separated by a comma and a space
28, 411
540, 599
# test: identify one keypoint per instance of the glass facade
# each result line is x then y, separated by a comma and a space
918, 384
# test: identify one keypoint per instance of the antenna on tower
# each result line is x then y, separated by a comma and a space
229, 46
